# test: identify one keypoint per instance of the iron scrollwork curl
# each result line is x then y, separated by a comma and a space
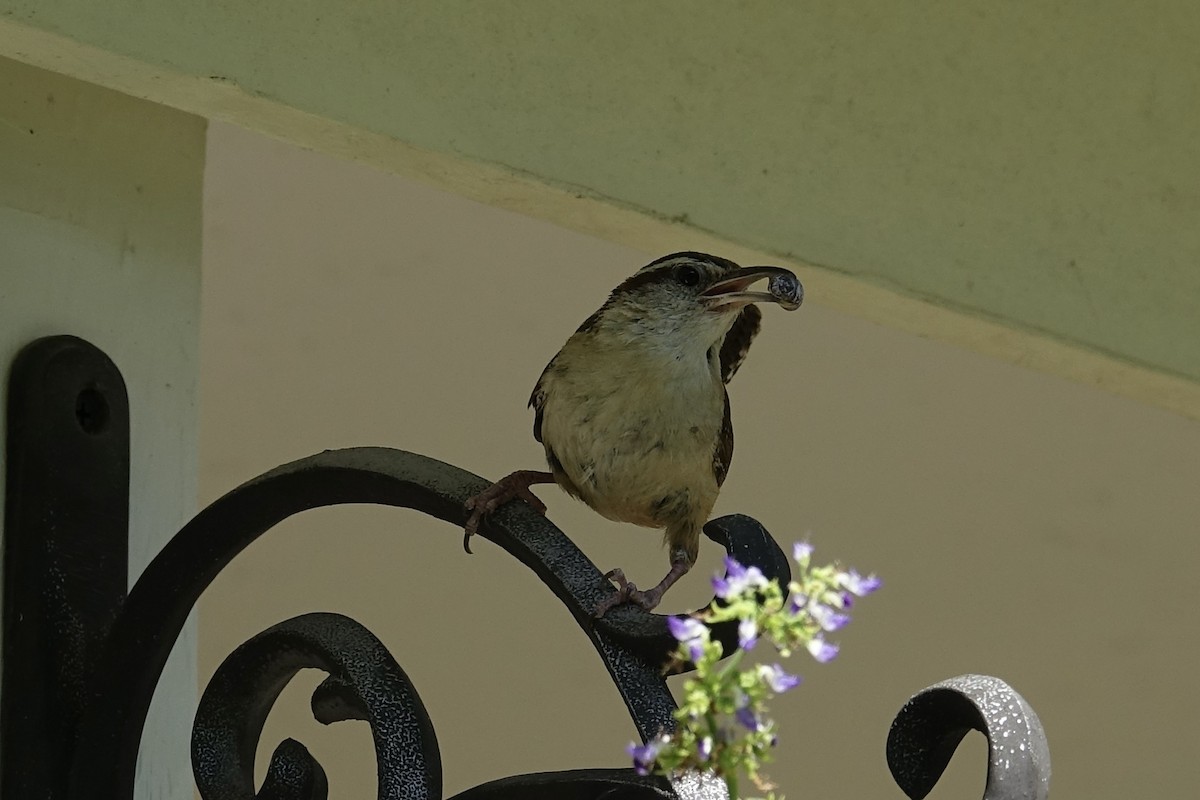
632, 643
364, 683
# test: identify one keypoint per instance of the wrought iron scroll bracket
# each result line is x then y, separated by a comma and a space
82, 657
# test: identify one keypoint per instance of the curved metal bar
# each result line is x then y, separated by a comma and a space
632, 643
576, 784
369, 685
743, 539
928, 729
293, 774
599, 784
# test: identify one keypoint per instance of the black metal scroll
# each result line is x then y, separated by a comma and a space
101, 654
364, 683
632, 643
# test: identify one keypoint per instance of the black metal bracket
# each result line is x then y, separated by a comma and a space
81, 659
66, 550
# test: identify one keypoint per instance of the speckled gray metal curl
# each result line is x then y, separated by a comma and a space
929, 728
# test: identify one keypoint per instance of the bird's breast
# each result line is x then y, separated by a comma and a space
634, 440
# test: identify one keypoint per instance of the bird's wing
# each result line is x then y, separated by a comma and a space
737, 341
537, 401
723, 452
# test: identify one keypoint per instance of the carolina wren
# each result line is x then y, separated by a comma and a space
633, 411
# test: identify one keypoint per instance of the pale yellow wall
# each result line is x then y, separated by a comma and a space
1026, 526
100, 198
1033, 163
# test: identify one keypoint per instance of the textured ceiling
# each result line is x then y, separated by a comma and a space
1036, 164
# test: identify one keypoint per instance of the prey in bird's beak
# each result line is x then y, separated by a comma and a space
732, 291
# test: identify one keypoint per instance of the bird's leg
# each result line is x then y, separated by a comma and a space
507, 488
681, 562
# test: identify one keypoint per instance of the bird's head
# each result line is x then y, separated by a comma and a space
693, 295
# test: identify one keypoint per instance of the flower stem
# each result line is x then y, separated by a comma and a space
731, 664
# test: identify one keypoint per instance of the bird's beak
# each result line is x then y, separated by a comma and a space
783, 287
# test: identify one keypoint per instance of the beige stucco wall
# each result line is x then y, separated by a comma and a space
1032, 163
100, 198
1026, 526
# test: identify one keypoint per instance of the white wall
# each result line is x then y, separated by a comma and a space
100, 237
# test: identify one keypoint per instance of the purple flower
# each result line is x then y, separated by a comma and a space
777, 679
797, 602
737, 579
686, 628
742, 711
645, 755
858, 584
822, 650
827, 618
801, 551
747, 634
748, 719
704, 748
689, 632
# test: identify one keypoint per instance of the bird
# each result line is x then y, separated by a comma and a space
633, 413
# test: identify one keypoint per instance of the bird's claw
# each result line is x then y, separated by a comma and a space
471, 526
478, 512
511, 487
627, 592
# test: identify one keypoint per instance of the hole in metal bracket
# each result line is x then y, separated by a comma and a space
91, 411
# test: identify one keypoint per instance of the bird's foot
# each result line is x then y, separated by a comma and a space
681, 562
627, 592
510, 487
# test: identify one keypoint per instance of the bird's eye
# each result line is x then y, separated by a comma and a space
687, 274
